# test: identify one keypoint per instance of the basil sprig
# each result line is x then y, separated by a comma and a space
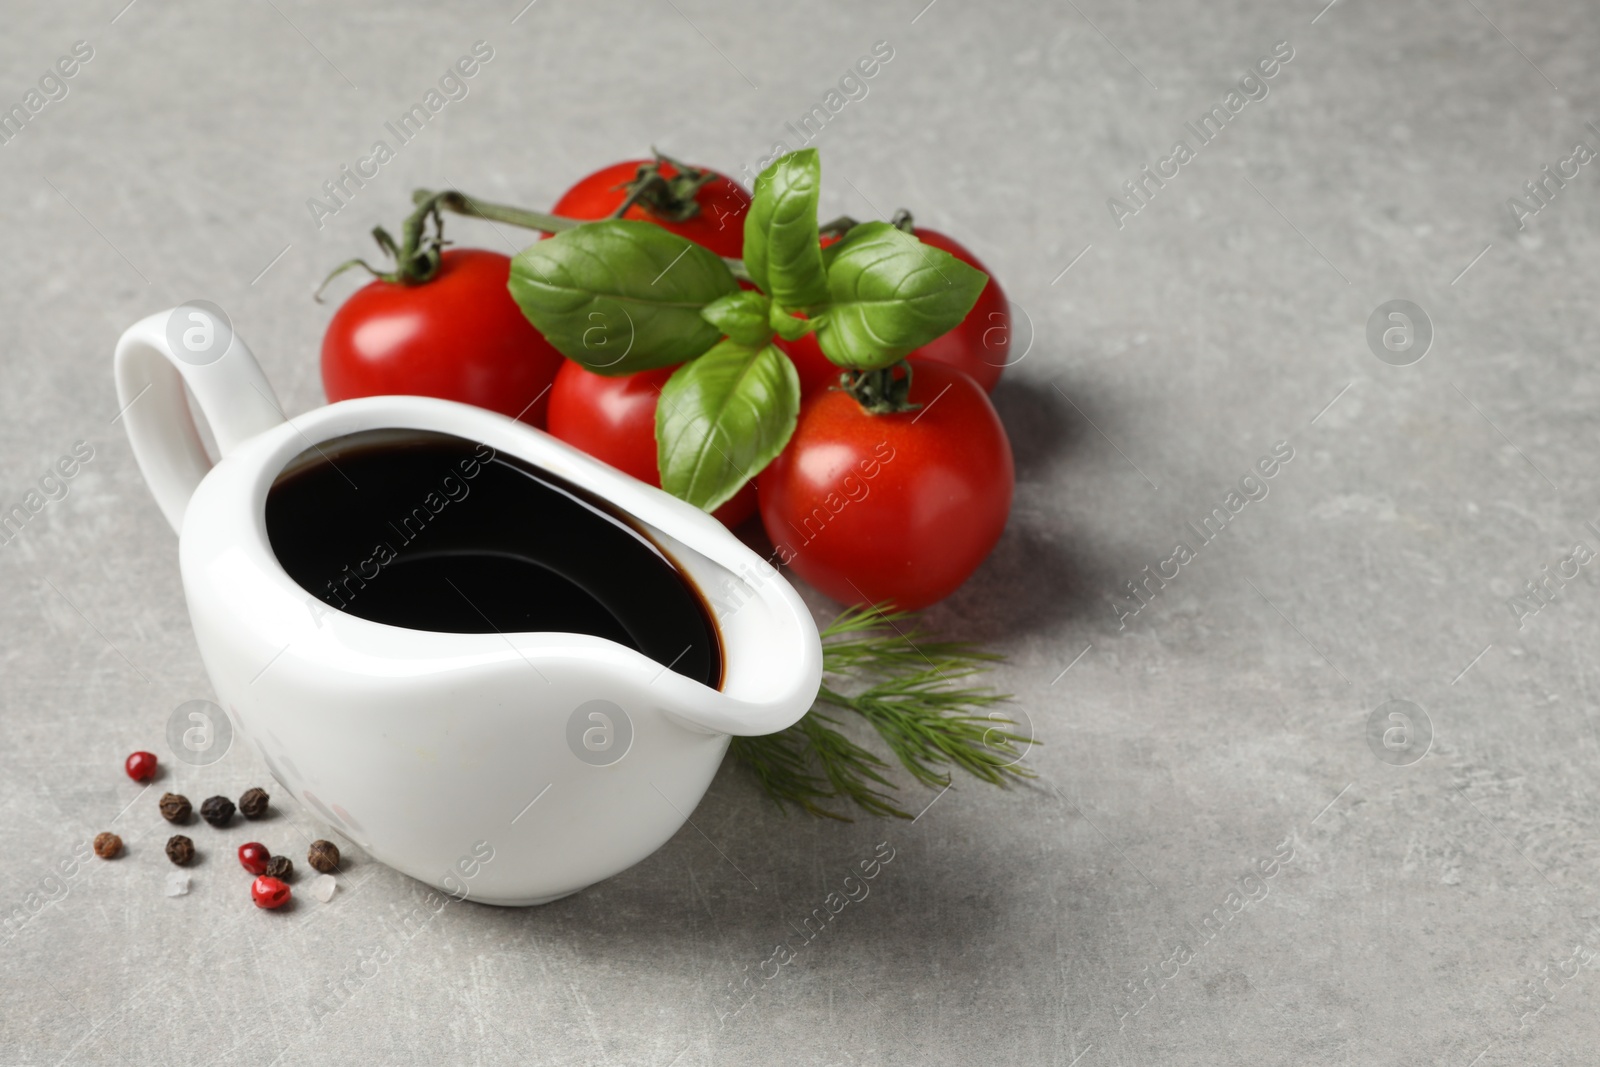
621, 296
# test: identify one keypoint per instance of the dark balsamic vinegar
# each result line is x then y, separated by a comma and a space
434, 532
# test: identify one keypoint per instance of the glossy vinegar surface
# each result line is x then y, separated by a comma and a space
434, 532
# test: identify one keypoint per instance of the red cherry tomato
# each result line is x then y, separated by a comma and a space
979, 346
719, 225
458, 336
614, 420
899, 507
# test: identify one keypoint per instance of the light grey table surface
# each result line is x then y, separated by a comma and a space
1432, 910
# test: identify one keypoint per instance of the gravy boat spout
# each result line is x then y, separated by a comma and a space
501, 766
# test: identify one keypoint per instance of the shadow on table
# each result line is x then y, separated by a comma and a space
712, 906
1043, 571
1043, 428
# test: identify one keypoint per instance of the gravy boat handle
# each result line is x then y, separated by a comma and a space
191, 345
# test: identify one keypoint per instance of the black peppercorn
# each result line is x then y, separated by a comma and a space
217, 810
180, 850
324, 856
175, 807
107, 845
281, 868
253, 804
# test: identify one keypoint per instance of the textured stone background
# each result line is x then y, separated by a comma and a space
1422, 904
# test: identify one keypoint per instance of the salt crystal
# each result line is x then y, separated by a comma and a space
177, 883
322, 887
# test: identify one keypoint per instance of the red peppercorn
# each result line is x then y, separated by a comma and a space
253, 857
269, 892
141, 766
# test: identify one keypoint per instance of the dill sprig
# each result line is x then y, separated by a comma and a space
913, 698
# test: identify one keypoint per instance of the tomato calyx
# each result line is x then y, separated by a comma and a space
836, 228
901, 220
417, 255
673, 198
880, 391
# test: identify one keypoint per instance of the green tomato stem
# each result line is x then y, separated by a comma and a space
416, 256
459, 203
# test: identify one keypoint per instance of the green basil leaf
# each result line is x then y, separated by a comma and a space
620, 296
722, 418
742, 316
890, 294
781, 252
788, 326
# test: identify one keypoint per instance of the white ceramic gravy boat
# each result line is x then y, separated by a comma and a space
478, 763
